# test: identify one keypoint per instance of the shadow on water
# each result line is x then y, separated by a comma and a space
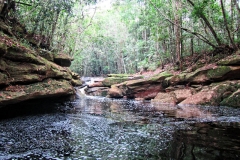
101, 128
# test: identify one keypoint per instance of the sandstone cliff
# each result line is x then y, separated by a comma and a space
27, 73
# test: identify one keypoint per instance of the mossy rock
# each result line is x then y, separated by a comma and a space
114, 80
26, 78
174, 80
160, 77
76, 82
62, 59
23, 56
233, 100
230, 61
46, 54
45, 89
218, 72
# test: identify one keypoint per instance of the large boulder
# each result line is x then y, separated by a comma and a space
45, 89
115, 92
206, 74
96, 91
201, 98
147, 88
165, 98
216, 94
182, 94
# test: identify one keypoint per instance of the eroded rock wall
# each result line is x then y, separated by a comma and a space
28, 74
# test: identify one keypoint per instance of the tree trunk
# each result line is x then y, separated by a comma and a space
177, 30
238, 18
201, 15
192, 50
237, 6
226, 25
54, 27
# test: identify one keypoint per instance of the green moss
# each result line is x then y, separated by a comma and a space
232, 60
218, 72
160, 76
232, 101
114, 80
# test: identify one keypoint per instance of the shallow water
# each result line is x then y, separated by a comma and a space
102, 128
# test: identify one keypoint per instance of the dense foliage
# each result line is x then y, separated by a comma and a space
126, 36
133, 35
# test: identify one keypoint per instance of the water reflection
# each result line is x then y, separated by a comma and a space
101, 128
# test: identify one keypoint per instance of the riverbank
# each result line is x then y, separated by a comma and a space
31, 73
209, 81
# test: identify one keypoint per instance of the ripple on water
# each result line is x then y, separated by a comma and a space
102, 128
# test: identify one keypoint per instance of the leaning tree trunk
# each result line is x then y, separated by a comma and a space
201, 15
226, 25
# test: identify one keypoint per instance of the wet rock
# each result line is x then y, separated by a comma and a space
144, 88
47, 88
97, 91
96, 84
213, 94
166, 98
189, 112
183, 94
115, 92
203, 97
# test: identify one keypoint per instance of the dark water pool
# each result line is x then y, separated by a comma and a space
105, 129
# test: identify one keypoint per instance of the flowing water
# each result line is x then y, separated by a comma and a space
114, 129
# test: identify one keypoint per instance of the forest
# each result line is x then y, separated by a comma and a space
128, 36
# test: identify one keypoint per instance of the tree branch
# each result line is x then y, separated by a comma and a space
23, 3
201, 15
90, 23
226, 25
201, 37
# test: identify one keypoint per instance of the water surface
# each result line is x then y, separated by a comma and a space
102, 128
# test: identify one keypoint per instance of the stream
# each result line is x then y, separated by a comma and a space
97, 128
